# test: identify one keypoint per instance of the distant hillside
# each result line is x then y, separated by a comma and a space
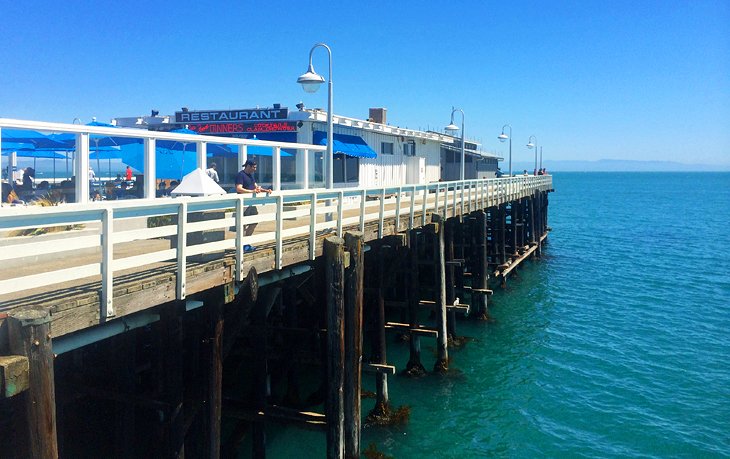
618, 165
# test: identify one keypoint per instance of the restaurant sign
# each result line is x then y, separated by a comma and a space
227, 116
243, 128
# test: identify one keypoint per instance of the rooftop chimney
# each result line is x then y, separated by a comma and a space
378, 115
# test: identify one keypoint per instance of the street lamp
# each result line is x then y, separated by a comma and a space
502, 137
310, 81
452, 127
532, 145
541, 158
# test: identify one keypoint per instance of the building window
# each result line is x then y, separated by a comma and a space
409, 148
386, 148
345, 169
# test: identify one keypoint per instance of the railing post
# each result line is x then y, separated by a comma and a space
279, 226
305, 166
82, 168
446, 200
363, 198
397, 208
413, 207
276, 169
436, 205
381, 217
453, 200
313, 226
150, 174
340, 198
182, 246
239, 239
424, 206
107, 264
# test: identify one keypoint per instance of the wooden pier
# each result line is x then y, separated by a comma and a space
146, 327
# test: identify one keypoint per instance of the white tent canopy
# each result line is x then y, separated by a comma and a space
197, 183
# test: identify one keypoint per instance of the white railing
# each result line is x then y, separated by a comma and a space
101, 240
149, 139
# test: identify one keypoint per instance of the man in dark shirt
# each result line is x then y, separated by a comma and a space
245, 183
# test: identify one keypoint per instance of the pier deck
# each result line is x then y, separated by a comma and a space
85, 282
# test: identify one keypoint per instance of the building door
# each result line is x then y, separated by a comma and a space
415, 170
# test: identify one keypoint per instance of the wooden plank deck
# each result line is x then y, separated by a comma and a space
75, 305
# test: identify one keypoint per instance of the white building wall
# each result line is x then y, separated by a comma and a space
385, 170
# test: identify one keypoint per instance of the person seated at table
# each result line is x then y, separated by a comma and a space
28, 177
9, 196
43, 186
118, 179
109, 189
120, 192
161, 190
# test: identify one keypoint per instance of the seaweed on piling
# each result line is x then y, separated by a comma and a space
371, 452
383, 415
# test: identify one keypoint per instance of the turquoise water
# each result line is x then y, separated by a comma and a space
615, 344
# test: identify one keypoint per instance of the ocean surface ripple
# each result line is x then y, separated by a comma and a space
615, 344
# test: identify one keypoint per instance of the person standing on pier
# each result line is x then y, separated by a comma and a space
212, 172
245, 183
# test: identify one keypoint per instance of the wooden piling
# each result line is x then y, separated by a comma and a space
353, 343
480, 277
450, 268
124, 369
334, 274
172, 374
259, 314
502, 233
532, 221
442, 361
215, 373
30, 336
414, 366
381, 379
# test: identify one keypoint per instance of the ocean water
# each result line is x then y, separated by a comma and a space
615, 344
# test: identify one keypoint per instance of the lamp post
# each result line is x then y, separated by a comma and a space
452, 127
502, 137
310, 81
541, 158
532, 145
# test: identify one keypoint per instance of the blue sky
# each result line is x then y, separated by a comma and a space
621, 79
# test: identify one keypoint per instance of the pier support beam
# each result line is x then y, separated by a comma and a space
480, 276
449, 271
353, 343
172, 345
30, 336
442, 362
335, 272
502, 233
214, 397
414, 366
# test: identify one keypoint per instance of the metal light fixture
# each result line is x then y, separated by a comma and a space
310, 82
532, 145
502, 137
452, 127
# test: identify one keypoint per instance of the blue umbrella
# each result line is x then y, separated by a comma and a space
99, 141
31, 138
176, 155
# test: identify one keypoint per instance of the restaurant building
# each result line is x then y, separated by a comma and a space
367, 152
